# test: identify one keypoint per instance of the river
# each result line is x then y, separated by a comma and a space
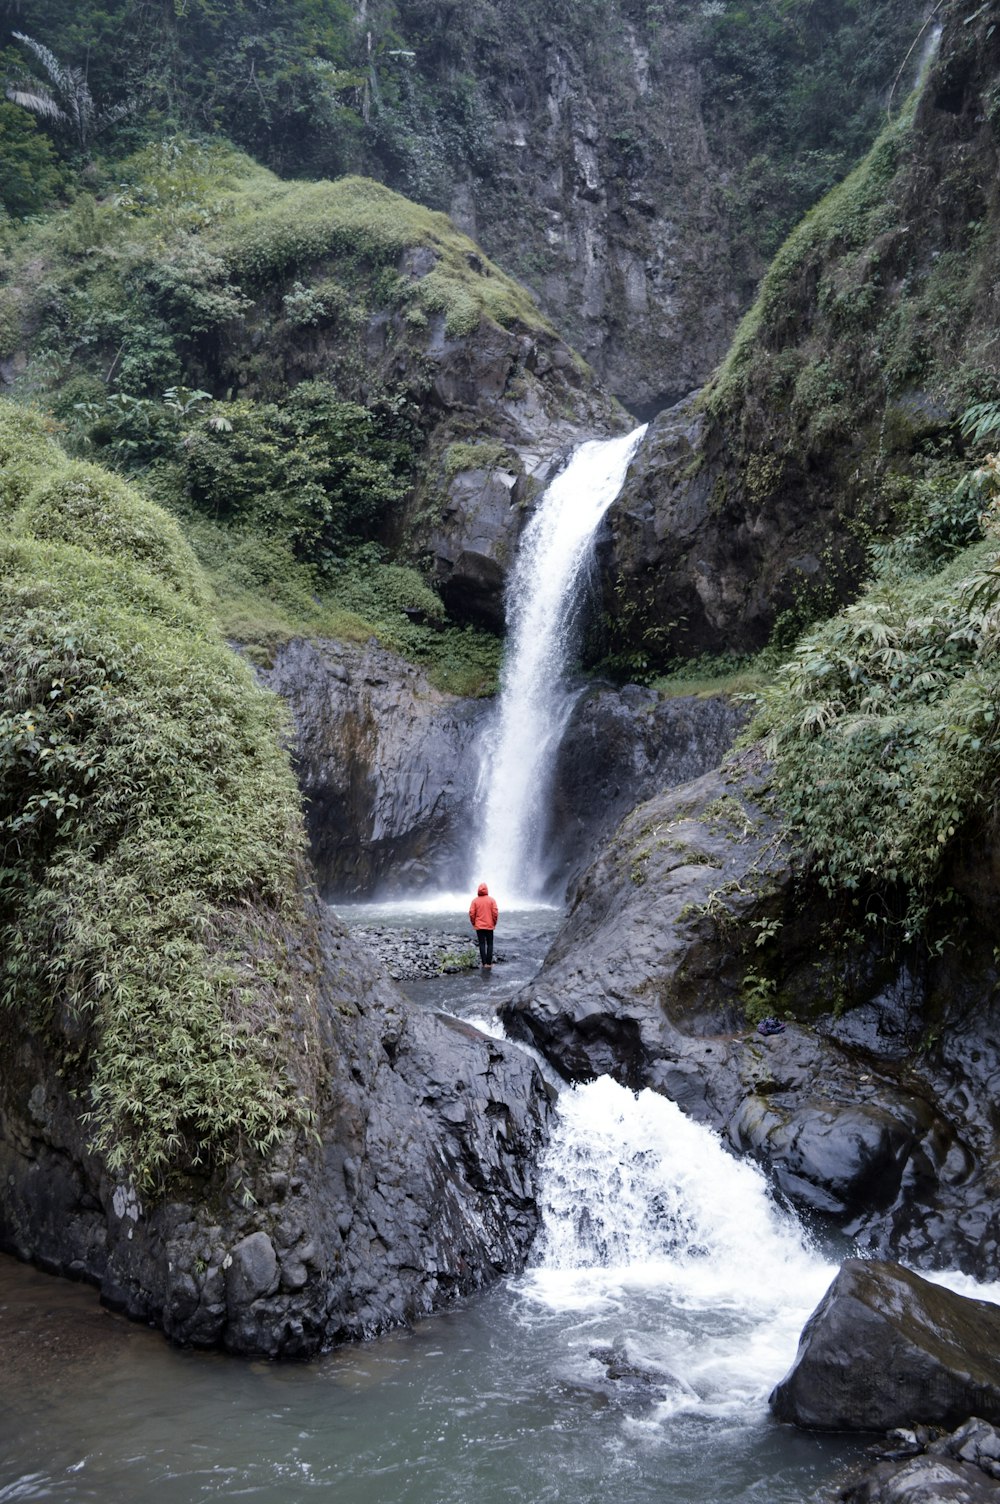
657, 1245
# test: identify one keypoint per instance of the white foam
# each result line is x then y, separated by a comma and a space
651, 1228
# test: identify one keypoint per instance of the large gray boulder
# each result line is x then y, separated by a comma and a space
887, 1348
415, 1182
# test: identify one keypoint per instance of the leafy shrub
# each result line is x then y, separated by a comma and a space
30, 177
84, 505
27, 449
313, 470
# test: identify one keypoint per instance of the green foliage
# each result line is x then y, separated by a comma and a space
314, 471
30, 178
801, 85
848, 220
485, 454
883, 731
149, 832
84, 505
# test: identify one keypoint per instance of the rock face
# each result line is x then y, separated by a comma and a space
620, 746
692, 913
753, 501
506, 409
387, 765
630, 230
419, 1184
711, 565
886, 1348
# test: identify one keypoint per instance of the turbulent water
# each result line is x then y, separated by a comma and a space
543, 599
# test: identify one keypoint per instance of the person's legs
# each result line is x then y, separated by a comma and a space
489, 947
484, 937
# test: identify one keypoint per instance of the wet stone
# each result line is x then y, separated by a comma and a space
407, 954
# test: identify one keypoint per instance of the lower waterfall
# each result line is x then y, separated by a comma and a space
648, 1219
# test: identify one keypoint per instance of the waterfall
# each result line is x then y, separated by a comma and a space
534, 703
648, 1224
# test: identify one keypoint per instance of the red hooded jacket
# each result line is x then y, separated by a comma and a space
483, 910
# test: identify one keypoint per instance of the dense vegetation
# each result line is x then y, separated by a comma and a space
202, 277
149, 825
885, 723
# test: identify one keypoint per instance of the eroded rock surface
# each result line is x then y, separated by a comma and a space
693, 911
620, 747
887, 1348
415, 1183
386, 763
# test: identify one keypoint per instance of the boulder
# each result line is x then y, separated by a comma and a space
415, 1182
887, 1348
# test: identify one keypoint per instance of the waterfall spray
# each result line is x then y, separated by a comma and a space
542, 608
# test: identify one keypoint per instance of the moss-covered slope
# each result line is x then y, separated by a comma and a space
298, 370
149, 826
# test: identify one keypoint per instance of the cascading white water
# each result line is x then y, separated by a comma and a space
645, 1212
534, 703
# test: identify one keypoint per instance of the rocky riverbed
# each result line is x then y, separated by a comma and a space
410, 953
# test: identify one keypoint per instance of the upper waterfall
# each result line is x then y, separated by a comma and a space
542, 608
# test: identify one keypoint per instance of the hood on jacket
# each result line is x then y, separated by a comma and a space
483, 890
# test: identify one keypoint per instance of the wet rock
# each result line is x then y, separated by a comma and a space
924, 1480
407, 954
389, 767
414, 1184
961, 1467
620, 747
694, 901
623, 1368
386, 766
887, 1348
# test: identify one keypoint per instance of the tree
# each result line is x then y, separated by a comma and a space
65, 99
29, 175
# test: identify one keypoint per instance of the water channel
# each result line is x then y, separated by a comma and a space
657, 1245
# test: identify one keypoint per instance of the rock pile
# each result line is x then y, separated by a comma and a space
407, 954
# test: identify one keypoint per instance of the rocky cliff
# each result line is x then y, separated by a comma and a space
827, 423
615, 157
211, 1104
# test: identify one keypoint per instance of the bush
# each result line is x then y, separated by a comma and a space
149, 834
85, 505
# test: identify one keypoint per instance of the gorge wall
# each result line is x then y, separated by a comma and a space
615, 158
827, 424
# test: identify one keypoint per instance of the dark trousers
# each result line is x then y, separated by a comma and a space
485, 938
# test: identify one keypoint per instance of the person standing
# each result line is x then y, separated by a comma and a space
483, 914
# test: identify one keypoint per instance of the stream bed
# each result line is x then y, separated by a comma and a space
662, 1260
